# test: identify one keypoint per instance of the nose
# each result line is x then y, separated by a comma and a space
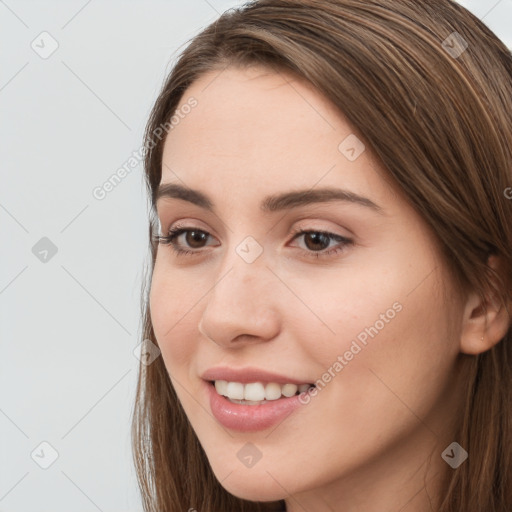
241, 308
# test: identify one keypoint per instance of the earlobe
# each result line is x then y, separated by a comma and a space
486, 320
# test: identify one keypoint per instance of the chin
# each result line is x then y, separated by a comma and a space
255, 493
253, 486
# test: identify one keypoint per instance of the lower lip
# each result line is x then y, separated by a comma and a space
250, 418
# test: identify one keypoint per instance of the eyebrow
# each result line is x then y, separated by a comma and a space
273, 203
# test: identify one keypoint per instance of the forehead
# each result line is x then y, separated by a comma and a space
255, 131
237, 109
258, 120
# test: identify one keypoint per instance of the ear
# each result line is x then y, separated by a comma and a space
485, 323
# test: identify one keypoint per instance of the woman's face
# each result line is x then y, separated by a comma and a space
366, 311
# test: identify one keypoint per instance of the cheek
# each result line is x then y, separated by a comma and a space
173, 317
343, 310
409, 356
377, 319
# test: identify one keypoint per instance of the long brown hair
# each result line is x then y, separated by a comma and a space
430, 88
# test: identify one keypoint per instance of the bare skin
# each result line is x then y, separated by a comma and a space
364, 441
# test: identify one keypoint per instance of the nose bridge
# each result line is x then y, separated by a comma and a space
243, 272
241, 301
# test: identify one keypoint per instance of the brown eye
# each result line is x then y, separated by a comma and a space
195, 239
316, 241
186, 241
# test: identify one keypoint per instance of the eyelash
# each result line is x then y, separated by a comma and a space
178, 230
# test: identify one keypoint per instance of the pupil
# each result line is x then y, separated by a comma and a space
317, 238
194, 238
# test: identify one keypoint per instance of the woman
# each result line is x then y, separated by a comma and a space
331, 264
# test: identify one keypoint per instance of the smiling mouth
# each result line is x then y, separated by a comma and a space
257, 393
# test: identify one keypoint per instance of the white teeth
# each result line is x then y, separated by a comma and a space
235, 390
221, 386
289, 389
272, 391
255, 393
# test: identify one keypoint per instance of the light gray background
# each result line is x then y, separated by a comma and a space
68, 326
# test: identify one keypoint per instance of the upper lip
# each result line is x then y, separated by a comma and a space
248, 374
